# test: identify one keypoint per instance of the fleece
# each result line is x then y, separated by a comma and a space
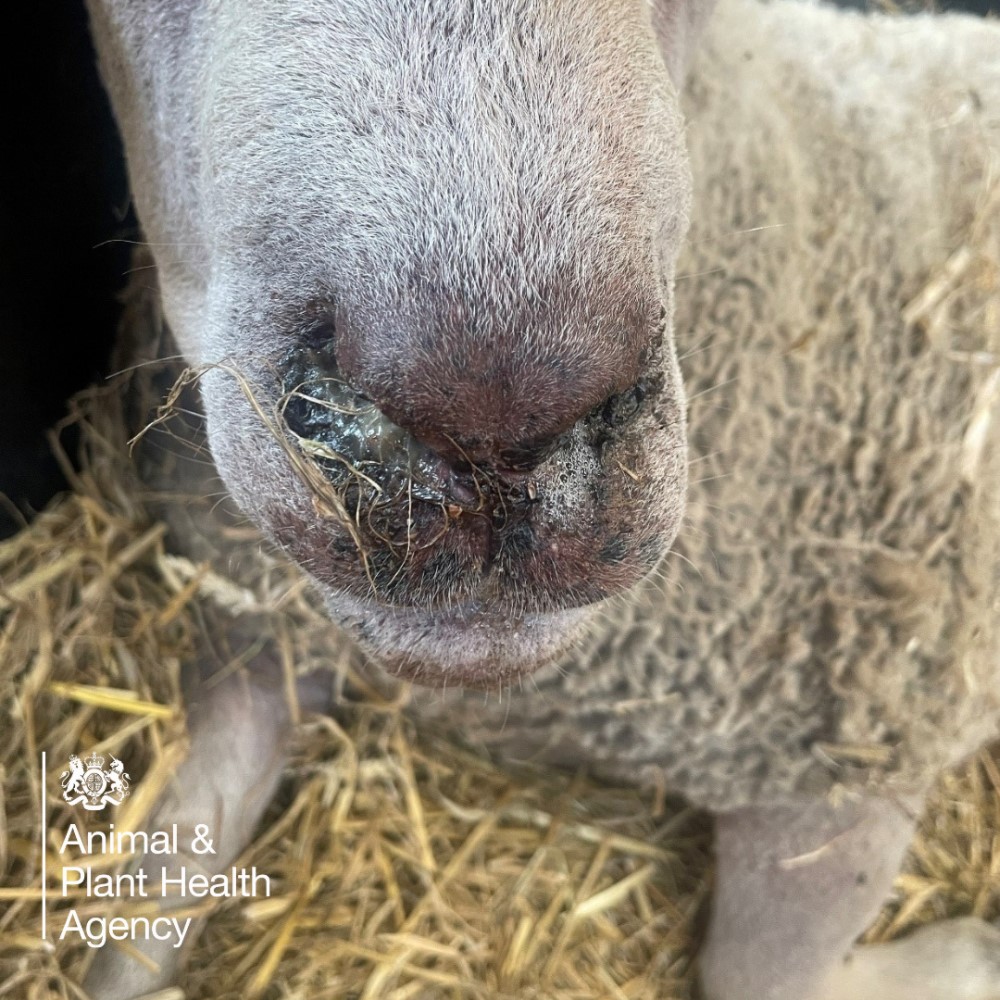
829, 619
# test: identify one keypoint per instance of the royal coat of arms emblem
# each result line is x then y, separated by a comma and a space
89, 784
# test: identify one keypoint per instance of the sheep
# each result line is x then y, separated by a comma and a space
822, 638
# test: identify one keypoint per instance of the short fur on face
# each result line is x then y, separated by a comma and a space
473, 216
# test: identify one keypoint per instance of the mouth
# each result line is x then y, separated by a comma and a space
467, 645
449, 571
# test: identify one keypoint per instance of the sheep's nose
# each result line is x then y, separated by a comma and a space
352, 434
438, 454
488, 394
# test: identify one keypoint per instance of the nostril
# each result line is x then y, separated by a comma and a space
326, 411
320, 337
614, 413
529, 455
359, 449
623, 407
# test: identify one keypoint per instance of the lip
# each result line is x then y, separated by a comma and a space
468, 645
465, 602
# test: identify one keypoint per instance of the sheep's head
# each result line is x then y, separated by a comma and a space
436, 244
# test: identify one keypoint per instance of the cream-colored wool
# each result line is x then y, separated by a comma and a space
830, 615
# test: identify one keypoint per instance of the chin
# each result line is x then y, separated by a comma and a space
467, 646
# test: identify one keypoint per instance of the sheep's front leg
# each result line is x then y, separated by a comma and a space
953, 960
239, 727
797, 885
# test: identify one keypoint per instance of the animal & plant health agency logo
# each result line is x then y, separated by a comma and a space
167, 867
88, 784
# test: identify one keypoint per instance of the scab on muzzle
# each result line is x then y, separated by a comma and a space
396, 490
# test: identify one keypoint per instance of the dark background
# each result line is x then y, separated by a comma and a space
63, 197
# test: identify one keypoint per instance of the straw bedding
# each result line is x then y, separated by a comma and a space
405, 866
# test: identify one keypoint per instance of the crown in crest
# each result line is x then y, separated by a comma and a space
95, 760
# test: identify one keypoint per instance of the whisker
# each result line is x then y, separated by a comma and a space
700, 274
142, 243
714, 237
144, 364
711, 388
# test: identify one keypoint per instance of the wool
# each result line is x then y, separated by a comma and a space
827, 620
